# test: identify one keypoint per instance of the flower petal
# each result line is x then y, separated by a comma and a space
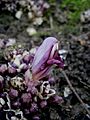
43, 53
41, 74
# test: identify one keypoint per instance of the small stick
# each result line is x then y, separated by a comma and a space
85, 84
71, 87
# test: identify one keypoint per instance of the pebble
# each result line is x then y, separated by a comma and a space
18, 14
38, 21
31, 31
85, 16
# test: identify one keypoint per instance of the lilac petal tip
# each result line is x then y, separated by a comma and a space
43, 53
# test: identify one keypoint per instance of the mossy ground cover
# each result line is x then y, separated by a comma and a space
74, 8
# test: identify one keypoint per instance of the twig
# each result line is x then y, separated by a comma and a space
71, 87
85, 84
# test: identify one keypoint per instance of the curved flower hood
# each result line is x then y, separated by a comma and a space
45, 57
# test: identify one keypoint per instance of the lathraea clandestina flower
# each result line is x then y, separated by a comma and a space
45, 56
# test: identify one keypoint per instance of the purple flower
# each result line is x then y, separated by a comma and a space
45, 57
43, 104
26, 97
31, 87
13, 93
34, 108
52, 80
16, 104
28, 58
11, 70
56, 99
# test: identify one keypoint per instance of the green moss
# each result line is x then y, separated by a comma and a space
74, 9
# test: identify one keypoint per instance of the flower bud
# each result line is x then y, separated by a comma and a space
34, 108
43, 104
26, 58
33, 91
52, 80
56, 99
13, 93
11, 70
26, 97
